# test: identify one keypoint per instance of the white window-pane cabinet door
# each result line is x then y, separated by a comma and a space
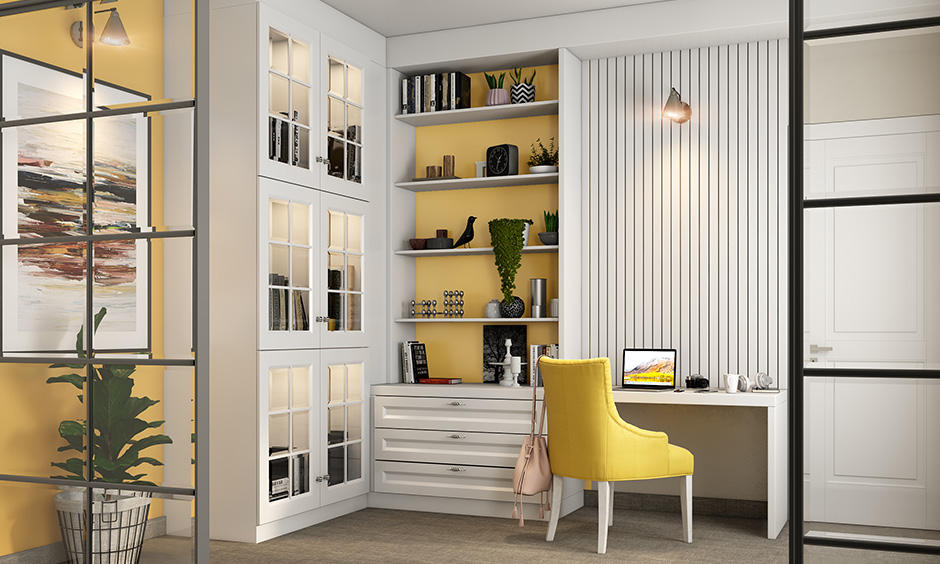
288, 282
342, 261
345, 423
289, 433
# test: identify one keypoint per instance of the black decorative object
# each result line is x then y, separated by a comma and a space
494, 348
502, 160
514, 309
467, 234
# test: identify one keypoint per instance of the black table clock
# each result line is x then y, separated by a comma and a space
502, 160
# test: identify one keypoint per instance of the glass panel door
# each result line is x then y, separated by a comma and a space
345, 423
343, 253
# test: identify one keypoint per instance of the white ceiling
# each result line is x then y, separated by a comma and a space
403, 17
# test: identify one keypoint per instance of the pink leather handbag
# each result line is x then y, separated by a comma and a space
533, 473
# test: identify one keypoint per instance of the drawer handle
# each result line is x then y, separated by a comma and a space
457, 469
456, 403
456, 436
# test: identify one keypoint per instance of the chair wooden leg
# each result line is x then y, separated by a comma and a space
603, 514
557, 482
685, 492
610, 518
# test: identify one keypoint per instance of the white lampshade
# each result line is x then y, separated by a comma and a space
114, 33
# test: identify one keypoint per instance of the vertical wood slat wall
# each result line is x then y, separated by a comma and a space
684, 226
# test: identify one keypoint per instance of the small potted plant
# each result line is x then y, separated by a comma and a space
119, 517
543, 160
508, 239
522, 90
497, 96
550, 235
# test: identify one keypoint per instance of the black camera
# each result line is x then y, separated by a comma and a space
696, 381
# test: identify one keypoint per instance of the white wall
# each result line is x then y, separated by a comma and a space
684, 242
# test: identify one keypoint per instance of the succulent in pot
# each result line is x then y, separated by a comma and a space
497, 96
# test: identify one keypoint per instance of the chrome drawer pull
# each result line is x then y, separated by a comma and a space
456, 436
457, 469
456, 403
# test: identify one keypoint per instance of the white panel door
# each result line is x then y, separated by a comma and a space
868, 442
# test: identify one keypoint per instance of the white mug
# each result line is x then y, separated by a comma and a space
731, 383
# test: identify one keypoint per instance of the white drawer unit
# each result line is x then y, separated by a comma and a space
452, 449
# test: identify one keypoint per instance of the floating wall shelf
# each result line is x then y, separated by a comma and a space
477, 320
474, 251
485, 182
486, 113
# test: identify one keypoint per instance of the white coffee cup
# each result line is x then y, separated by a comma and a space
731, 383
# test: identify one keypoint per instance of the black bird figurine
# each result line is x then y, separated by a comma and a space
467, 235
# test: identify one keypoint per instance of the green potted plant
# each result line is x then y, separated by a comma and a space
522, 90
543, 160
497, 95
117, 453
508, 238
550, 235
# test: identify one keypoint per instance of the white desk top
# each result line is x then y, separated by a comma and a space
690, 397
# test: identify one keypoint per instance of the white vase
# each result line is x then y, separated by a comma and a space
525, 234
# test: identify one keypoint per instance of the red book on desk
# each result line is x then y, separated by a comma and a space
440, 380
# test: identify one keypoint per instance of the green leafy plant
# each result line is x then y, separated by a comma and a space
506, 236
117, 423
544, 157
493, 82
551, 221
517, 78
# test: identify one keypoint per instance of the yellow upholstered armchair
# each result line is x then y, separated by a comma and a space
588, 440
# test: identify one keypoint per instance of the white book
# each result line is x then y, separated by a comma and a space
404, 96
452, 91
432, 92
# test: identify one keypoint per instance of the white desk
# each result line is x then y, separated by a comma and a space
776, 410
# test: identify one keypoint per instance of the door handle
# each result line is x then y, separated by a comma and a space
813, 349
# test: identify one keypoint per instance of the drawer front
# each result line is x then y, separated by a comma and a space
447, 447
444, 480
449, 414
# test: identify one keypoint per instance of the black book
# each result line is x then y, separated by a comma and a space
460, 86
284, 155
419, 359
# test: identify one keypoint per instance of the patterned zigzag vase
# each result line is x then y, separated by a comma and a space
521, 93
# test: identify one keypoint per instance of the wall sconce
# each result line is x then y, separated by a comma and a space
113, 34
675, 109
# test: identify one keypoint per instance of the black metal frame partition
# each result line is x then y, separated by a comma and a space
797, 206
200, 290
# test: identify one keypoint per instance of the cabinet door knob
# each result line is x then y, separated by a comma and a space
323, 478
456, 437
456, 403
457, 469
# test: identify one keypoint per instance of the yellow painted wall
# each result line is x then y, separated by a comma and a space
30, 409
456, 350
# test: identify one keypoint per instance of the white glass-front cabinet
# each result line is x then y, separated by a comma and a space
315, 108
312, 430
312, 266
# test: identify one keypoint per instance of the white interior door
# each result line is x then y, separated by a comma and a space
868, 442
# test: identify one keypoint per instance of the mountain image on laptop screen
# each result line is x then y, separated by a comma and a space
643, 367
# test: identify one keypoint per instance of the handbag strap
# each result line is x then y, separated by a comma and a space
538, 376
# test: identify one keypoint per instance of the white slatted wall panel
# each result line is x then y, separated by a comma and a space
684, 226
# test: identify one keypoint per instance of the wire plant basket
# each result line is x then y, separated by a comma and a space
118, 524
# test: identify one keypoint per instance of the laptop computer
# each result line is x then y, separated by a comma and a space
649, 369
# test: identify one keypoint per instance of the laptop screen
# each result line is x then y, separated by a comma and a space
649, 369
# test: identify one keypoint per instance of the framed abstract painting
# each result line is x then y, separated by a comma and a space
43, 174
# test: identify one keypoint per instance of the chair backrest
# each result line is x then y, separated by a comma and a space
587, 439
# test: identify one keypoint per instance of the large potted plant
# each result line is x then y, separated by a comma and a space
119, 521
507, 237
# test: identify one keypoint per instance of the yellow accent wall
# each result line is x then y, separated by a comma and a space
456, 349
30, 409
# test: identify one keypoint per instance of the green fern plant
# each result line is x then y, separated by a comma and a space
517, 78
493, 81
544, 156
506, 237
117, 448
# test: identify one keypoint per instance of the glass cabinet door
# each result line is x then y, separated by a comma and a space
343, 252
287, 229
289, 402
346, 426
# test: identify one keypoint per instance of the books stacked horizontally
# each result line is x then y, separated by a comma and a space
283, 312
414, 365
435, 93
535, 351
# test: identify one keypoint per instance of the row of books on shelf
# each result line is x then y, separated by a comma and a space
284, 312
283, 146
435, 93
536, 351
